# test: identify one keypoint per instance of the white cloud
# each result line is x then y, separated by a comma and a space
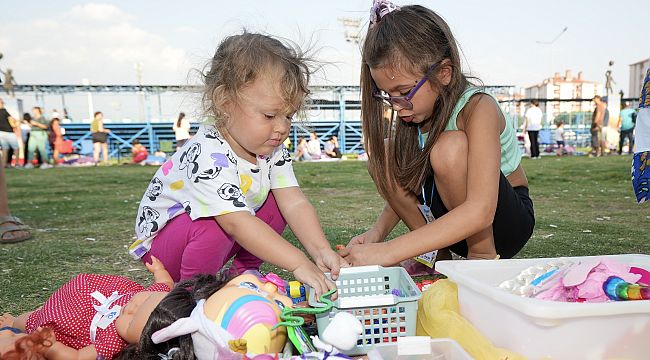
98, 12
96, 41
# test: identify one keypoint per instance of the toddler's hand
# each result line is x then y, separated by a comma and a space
330, 261
310, 274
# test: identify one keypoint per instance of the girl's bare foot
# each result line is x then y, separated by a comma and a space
7, 319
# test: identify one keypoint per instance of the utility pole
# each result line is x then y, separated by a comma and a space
138, 73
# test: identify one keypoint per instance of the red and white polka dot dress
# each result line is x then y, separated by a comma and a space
69, 311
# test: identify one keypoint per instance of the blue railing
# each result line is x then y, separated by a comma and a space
152, 134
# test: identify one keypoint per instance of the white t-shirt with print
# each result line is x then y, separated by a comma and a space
208, 179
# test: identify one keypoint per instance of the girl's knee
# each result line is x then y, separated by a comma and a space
449, 152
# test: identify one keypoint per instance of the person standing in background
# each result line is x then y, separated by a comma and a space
532, 125
597, 119
8, 138
182, 130
37, 138
627, 120
100, 137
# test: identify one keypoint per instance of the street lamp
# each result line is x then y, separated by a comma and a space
550, 43
352, 36
86, 82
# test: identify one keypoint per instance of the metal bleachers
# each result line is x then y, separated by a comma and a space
157, 136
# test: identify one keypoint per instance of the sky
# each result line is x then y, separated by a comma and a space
65, 41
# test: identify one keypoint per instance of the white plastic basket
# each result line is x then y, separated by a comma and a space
547, 329
368, 292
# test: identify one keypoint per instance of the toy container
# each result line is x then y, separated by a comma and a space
547, 329
385, 300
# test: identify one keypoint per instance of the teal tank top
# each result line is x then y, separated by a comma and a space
510, 153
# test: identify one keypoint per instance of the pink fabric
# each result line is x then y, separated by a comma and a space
584, 281
188, 248
140, 156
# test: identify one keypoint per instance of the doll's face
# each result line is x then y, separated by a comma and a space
248, 308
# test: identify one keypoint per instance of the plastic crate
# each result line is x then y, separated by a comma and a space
369, 293
541, 329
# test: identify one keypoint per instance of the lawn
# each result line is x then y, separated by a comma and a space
83, 218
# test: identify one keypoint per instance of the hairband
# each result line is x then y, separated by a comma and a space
381, 8
170, 354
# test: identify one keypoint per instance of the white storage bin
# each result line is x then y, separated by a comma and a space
547, 329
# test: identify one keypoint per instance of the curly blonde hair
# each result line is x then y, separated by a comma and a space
241, 59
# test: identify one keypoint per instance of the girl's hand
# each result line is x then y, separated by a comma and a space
308, 273
330, 261
367, 254
159, 272
368, 237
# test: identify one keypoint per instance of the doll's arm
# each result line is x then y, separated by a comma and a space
59, 351
160, 274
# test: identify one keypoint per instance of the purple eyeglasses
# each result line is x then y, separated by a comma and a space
402, 101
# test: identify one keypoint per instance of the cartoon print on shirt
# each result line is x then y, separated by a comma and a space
231, 192
147, 222
208, 174
188, 160
231, 157
212, 133
155, 189
285, 158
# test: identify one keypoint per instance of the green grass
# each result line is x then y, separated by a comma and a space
83, 218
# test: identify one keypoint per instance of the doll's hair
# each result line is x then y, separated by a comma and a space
30, 347
179, 303
244, 58
411, 39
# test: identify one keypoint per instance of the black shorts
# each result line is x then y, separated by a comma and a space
513, 223
100, 137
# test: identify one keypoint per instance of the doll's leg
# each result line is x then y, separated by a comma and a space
449, 161
270, 214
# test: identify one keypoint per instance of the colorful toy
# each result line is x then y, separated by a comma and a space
618, 289
245, 309
297, 292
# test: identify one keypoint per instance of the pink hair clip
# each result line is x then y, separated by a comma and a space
381, 8
275, 280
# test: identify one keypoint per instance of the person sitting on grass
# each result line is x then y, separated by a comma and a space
231, 190
139, 152
332, 149
95, 315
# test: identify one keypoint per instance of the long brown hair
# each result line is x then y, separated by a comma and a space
413, 39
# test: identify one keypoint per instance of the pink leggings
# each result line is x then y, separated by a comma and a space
188, 248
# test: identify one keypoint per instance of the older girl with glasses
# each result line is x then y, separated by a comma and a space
447, 163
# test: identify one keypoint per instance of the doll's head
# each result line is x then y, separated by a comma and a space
178, 304
21, 346
244, 310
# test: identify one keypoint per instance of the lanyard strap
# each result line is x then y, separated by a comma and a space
433, 183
